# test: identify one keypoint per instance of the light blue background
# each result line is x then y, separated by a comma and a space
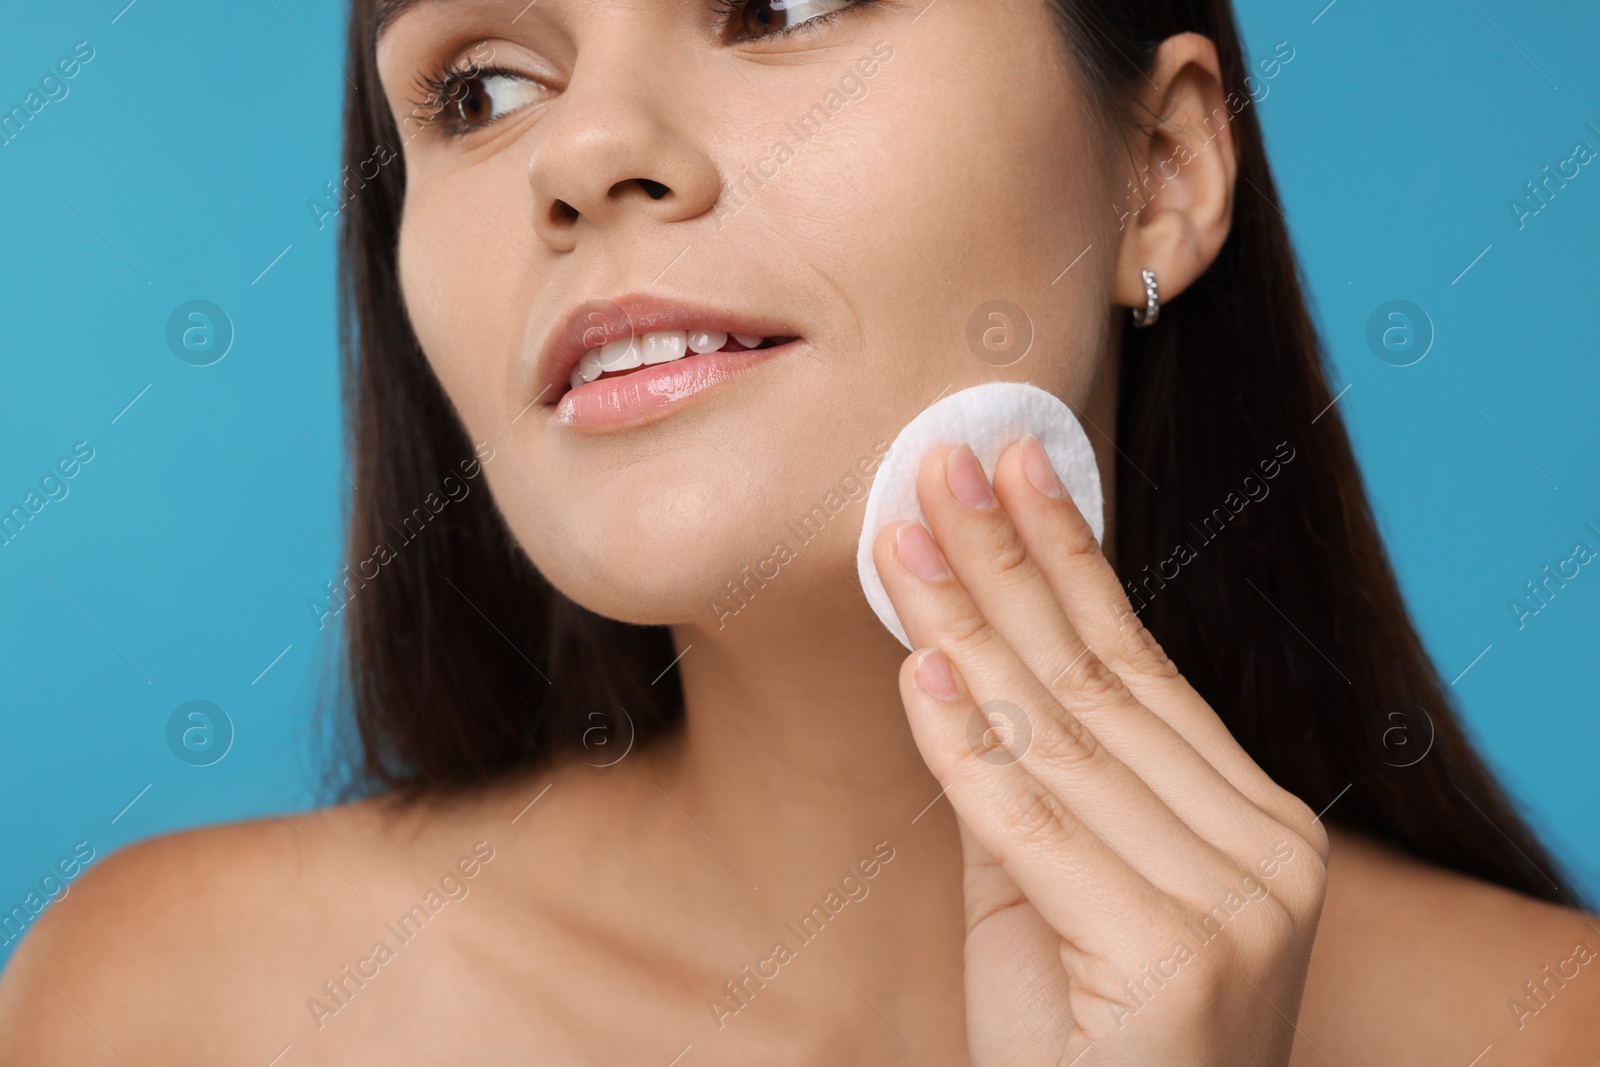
180, 564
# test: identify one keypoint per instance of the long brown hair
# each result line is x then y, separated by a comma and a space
461, 665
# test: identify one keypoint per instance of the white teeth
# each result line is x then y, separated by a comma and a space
588, 368
663, 347
702, 341
621, 354
644, 350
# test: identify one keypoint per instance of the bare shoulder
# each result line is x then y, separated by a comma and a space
199, 924
1417, 964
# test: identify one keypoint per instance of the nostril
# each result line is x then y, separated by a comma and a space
561, 211
654, 188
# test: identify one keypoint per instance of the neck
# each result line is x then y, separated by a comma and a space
795, 738
792, 709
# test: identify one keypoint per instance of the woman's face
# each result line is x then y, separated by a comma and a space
865, 183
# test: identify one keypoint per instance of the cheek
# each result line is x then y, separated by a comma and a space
968, 174
466, 291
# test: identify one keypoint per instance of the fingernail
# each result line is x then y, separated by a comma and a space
918, 552
966, 479
1036, 465
935, 676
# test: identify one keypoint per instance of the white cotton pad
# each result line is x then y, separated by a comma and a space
988, 418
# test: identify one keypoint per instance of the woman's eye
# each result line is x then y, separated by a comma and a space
753, 19
487, 97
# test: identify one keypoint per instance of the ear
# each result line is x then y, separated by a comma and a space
1176, 191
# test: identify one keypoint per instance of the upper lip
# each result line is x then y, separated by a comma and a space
595, 322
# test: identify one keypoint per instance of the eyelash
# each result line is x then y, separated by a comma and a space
728, 10
440, 89
444, 83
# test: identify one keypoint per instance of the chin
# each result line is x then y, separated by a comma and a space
695, 570
653, 588
650, 555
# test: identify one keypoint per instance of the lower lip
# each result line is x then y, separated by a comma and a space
651, 393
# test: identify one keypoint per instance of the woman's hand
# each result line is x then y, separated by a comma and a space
1138, 891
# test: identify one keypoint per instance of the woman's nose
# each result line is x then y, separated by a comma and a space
616, 149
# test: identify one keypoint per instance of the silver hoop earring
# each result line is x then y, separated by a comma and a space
1147, 315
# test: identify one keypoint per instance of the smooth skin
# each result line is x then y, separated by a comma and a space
623, 894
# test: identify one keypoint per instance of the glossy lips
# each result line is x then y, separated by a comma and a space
613, 363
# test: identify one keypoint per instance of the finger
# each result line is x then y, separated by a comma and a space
986, 887
1008, 942
1045, 741
1089, 894
1005, 580
1056, 535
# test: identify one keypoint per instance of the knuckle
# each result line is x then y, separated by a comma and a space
1065, 740
1250, 940
1142, 652
967, 632
1008, 558
970, 760
1314, 834
1077, 538
1274, 927
1301, 886
1089, 679
1037, 816
1315, 837
1304, 901
1296, 815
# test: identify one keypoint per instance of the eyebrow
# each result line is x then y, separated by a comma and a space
388, 11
